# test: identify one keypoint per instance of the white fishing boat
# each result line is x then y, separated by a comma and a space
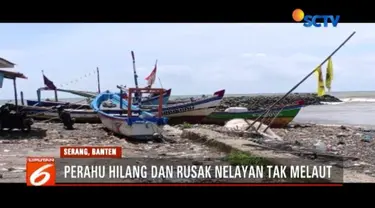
132, 122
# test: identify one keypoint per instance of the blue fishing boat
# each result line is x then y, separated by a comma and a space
130, 122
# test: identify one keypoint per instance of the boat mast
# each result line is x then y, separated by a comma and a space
135, 71
137, 96
98, 78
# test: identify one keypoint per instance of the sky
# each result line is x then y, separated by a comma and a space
193, 59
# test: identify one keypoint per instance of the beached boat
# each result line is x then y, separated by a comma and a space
48, 113
150, 100
140, 125
192, 111
283, 116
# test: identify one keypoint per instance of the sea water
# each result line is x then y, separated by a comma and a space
357, 108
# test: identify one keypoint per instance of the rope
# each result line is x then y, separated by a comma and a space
78, 79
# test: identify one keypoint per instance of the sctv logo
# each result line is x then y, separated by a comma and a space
315, 20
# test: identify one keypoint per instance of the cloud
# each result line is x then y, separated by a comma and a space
192, 58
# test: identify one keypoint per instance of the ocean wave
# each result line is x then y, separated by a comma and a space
331, 103
358, 100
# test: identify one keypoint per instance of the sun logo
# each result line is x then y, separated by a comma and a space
298, 15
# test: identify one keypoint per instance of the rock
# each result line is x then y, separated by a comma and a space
367, 171
341, 134
1, 175
6, 150
366, 138
197, 163
262, 102
52, 132
18, 171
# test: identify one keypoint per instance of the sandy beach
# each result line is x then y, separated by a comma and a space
46, 138
352, 144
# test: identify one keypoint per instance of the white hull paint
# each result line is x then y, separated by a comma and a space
137, 130
203, 109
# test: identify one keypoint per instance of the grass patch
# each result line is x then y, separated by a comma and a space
186, 125
241, 158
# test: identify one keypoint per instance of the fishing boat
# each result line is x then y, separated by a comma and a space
150, 100
48, 113
139, 125
192, 111
276, 118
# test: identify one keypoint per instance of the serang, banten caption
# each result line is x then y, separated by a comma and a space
108, 151
75, 151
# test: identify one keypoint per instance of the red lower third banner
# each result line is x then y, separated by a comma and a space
104, 166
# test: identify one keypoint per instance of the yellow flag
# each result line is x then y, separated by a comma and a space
321, 88
329, 74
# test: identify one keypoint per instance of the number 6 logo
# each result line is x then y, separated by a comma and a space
40, 171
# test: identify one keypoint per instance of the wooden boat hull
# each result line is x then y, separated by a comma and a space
140, 131
281, 121
44, 113
192, 112
137, 125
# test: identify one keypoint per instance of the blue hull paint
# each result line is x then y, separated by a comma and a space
95, 104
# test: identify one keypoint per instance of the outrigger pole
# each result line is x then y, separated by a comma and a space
303, 80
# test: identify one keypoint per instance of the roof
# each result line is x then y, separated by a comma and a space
12, 75
6, 64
